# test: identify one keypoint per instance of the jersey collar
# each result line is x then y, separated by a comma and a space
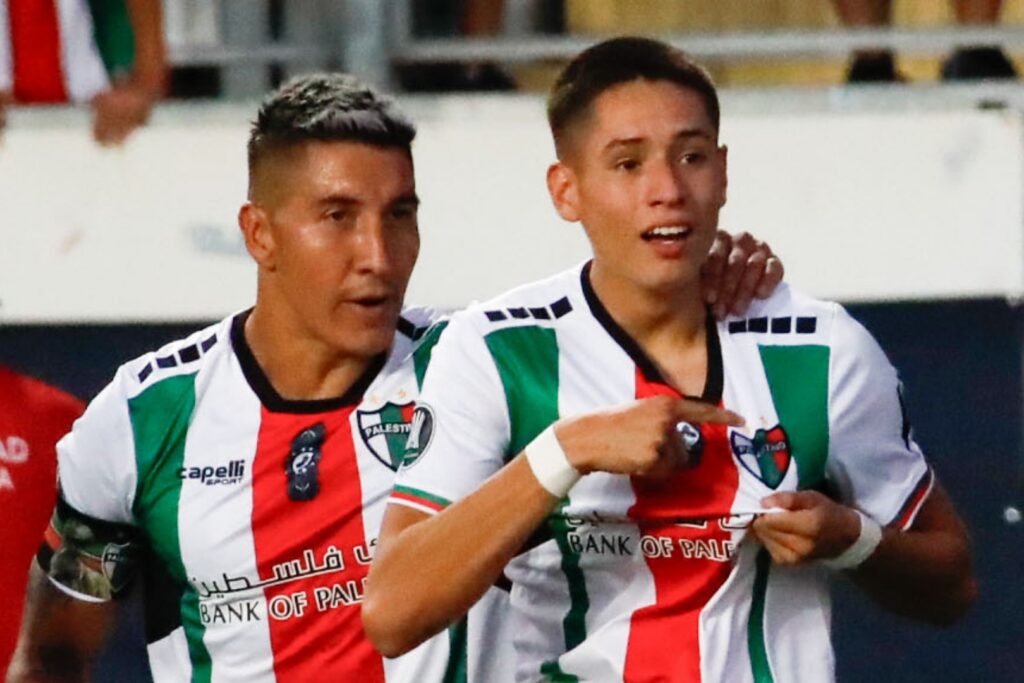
276, 403
714, 380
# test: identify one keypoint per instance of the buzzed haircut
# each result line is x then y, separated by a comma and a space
326, 108
616, 61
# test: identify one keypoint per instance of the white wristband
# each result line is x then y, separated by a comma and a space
869, 538
549, 464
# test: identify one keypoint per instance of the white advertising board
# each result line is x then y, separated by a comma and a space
861, 206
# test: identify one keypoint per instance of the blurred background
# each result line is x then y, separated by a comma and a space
877, 146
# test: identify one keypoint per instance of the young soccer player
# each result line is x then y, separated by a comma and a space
582, 434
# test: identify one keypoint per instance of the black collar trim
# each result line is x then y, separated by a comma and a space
713, 383
276, 403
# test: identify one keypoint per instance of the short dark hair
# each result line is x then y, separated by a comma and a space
327, 107
621, 60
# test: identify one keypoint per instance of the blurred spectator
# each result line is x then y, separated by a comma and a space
470, 19
966, 63
109, 53
33, 416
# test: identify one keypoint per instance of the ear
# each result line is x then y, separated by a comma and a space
259, 239
563, 186
723, 151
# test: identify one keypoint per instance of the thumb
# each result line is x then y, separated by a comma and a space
791, 500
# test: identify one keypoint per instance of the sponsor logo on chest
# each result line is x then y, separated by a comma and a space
215, 475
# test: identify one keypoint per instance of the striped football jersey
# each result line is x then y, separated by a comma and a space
252, 518
49, 51
644, 581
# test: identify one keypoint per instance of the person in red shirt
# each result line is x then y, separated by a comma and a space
33, 417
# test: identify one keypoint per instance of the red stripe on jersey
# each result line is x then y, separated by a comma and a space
36, 51
400, 495
315, 626
905, 518
693, 561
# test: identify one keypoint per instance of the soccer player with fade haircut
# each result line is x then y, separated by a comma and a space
582, 434
243, 471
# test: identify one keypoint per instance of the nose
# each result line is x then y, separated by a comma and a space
373, 249
665, 184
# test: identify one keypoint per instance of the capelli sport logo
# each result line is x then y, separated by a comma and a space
214, 475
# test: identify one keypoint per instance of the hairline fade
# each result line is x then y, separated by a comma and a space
614, 62
326, 107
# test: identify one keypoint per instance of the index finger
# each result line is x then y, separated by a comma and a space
699, 411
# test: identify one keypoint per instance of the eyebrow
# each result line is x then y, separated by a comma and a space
349, 200
685, 134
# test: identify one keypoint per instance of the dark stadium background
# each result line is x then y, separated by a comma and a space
961, 364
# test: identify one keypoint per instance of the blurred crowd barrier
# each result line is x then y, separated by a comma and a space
867, 198
238, 48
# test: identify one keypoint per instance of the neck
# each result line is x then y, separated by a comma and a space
299, 367
650, 316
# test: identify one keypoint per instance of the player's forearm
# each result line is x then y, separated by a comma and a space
430, 573
59, 635
50, 666
150, 68
924, 573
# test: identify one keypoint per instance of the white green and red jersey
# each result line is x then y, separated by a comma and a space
252, 517
49, 51
641, 581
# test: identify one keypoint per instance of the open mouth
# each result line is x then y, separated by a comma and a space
371, 301
667, 233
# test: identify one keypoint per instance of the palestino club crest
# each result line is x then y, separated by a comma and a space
385, 431
766, 456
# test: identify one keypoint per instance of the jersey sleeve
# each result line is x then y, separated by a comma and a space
460, 428
91, 544
873, 460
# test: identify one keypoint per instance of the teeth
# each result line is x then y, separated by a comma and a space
668, 231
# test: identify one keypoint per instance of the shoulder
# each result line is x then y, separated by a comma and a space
184, 356
541, 303
792, 317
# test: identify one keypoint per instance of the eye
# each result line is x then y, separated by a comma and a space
403, 212
693, 157
627, 164
338, 215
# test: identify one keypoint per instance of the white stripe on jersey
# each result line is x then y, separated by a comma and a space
84, 72
6, 65
168, 658
240, 650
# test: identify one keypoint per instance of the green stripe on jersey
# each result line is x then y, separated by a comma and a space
756, 644
423, 495
421, 356
115, 39
527, 362
456, 671
160, 417
798, 380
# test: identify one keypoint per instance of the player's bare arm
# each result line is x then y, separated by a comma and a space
128, 103
60, 635
429, 570
923, 572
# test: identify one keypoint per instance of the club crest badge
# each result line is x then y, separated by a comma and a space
302, 466
421, 431
766, 456
386, 431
